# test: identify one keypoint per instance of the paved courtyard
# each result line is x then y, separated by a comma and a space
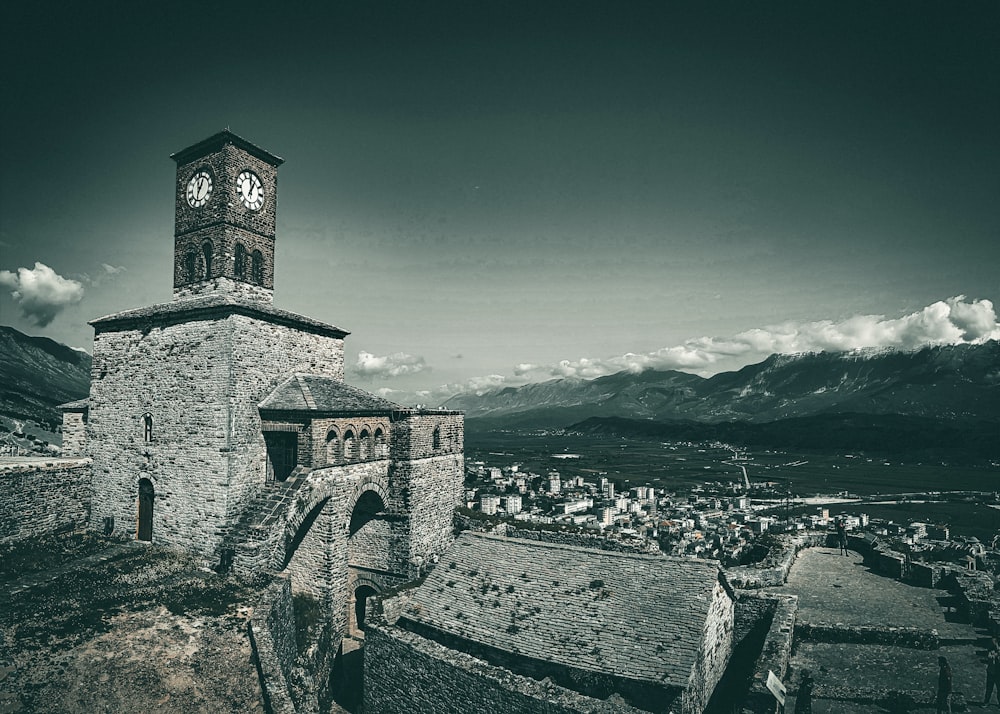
836, 589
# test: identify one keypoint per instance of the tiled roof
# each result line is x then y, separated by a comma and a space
314, 393
208, 307
640, 617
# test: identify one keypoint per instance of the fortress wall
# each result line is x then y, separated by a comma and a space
40, 496
405, 673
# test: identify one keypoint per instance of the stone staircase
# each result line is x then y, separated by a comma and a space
251, 539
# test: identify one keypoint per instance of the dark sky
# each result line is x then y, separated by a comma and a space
472, 186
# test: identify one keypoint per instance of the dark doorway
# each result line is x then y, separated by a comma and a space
361, 596
145, 509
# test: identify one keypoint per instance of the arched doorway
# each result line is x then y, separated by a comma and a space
361, 596
146, 495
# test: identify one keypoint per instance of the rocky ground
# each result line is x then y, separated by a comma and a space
88, 625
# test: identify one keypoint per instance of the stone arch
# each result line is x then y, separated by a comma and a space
381, 446
191, 266
240, 262
257, 267
350, 445
206, 251
364, 444
381, 490
361, 589
333, 446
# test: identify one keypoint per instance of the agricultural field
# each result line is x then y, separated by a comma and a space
681, 466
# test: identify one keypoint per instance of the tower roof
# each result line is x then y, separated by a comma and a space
217, 141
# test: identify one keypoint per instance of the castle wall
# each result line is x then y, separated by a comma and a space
40, 496
406, 673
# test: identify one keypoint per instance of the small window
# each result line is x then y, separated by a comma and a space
257, 268
348, 445
191, 266
332, 446
240, 262
147, 428
437, 437
206, 250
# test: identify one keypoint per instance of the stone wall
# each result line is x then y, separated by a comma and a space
772, 570
774, 655
713, 655
271, 630
406, 673
40, 496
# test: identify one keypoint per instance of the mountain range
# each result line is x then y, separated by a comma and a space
943, 397
946, 396
37, 374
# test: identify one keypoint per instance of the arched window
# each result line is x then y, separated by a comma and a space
437, 438
257, 268
191, 266
365, 444
381, 450
332, 446
240, 262
348, 445
147, 428
206, 249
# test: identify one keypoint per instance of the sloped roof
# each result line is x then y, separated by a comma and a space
74, 406
640, 617
316, 393
209, 307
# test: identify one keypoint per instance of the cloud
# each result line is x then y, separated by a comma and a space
112, 269
953, 321
41, 292
397, 364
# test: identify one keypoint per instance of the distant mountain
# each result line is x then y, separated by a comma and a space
956, 382
37, 374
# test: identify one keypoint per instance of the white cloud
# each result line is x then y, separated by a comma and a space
41, 293
393, 365
953, 321
112, 269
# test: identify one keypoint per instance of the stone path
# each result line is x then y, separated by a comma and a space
833, 589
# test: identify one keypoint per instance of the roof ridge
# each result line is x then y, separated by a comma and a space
306, 394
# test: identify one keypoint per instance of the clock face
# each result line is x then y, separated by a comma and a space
199, 188
250, 190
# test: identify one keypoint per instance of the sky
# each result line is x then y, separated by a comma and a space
491, 193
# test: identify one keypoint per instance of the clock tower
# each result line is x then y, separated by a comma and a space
224, 219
